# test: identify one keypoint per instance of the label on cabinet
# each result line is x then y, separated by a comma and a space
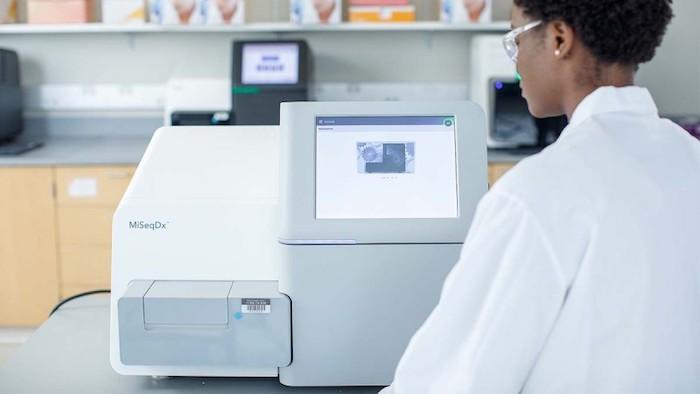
255, 305
83, 188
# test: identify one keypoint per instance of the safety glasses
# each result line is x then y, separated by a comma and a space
510, 43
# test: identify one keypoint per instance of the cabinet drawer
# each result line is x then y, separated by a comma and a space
85, 226
85, 266
92, 185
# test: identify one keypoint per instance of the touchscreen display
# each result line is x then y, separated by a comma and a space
386, 167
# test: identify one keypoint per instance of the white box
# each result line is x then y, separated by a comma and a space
226, 12
316, 11
196, 12
123, 11
465, 11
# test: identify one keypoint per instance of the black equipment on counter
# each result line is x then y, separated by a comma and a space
200, 118
265, 74
10, 96
11, 109
512, 125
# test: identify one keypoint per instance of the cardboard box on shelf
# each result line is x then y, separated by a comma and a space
123, 11
226, 12
8, 11
382, 14
316, 11
196, 12
380, 2
58, 11
465, 11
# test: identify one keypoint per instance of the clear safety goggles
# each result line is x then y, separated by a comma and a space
510, 43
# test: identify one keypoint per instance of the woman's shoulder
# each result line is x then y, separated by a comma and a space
557, 174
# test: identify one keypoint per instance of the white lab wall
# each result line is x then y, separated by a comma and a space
145, 58
398, 57
674, 75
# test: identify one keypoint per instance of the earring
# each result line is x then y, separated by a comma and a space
557, 53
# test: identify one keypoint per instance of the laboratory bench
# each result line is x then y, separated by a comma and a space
69, 353
57, 204
128, 150
81, 151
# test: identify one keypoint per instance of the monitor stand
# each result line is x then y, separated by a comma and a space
17, 147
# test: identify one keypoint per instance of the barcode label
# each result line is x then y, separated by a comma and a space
255, 305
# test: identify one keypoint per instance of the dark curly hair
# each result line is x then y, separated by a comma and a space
615, 31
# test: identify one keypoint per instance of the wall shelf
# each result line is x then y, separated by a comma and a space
495, 27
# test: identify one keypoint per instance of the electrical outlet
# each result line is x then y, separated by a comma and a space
388, 91
95, 97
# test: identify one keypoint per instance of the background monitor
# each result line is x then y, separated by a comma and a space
270, 63
265, 74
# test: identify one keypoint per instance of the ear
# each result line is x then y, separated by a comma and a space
560, 39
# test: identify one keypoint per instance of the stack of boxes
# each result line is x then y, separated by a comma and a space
381, 11
217, 12
58, 11
196, 12
192, 12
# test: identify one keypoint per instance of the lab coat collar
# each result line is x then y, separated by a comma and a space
609, 99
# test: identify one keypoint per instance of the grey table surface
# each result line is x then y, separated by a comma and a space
74, 150
69, 353
125, 150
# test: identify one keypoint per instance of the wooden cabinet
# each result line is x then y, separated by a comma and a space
28, 241
56, 234
86, 200
92, 186
497, 170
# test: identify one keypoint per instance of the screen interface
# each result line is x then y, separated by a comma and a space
268, 64
386, 167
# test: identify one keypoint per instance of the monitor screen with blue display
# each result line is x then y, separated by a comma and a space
384, 167
270, 63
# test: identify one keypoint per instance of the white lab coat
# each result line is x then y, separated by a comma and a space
581, 272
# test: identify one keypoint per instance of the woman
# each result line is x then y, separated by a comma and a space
581, 272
